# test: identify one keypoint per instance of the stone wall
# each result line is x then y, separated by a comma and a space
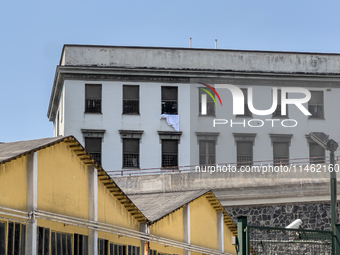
316, 216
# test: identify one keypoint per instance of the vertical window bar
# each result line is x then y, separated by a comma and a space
16, 238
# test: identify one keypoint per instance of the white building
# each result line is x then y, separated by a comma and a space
111, 98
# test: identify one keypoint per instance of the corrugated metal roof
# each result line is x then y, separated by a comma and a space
155, 206
9, 151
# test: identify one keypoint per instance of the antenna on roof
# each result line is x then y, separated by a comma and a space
190, 42
215, 43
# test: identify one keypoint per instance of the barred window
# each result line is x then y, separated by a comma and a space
94, 147
210, 102
277, 113
281, 153
316, 105
247, 112
130, 99
93, 98
169, 100
169, 153
117, 249
316, 154
244, 153
152, 252
80, 246
15, 239
43, 241
2, 238
131, 153
103, 247
207, 152
61, 243
133, 250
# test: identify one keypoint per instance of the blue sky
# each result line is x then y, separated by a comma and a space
33, 33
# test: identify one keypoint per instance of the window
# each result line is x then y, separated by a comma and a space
94, 147
2, 238
61, 243
207, 152
169, 100
247, 112
281, 143
80, 246
277, 112
315, 105
244, 153
93, 98
133, 250
209, 100
43, 241
316, 154
103, 246
169, 153
244, 148
130, 99
117, 249
152, 252
15, 239
130, 152
207, 143
281, 153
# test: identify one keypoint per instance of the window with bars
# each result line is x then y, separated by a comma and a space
316, 154
80, 245
278, 113
2, 238
61, 243
103, 247
117, 249
93, 98
207, 152
152, 252
316, 105
43, 243
244, 153
281, 153
133, 250
247, 112
169, 153
94, 147
15, 238
210, 102
169, 100
130, 99
131, 153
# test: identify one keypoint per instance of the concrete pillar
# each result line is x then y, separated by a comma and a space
144, 228
220, 230
93, 208
186, 227
32, 193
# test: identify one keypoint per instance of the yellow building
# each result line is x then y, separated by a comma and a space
55, 200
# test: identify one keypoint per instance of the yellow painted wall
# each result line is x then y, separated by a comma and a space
13, 184
170, 226
111, 211
228, 247
62, 182
203, 223
60, 227
119, 240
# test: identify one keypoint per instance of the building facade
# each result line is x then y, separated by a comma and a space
141, 107
55, 200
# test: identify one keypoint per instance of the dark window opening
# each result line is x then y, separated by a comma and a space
315, 105
80, 246
281, 153
169, 100
316, 154
277, 112
131, 153
94, 147
244, 153
93, 98
247, 112
130, 99
169, 153
210, 102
